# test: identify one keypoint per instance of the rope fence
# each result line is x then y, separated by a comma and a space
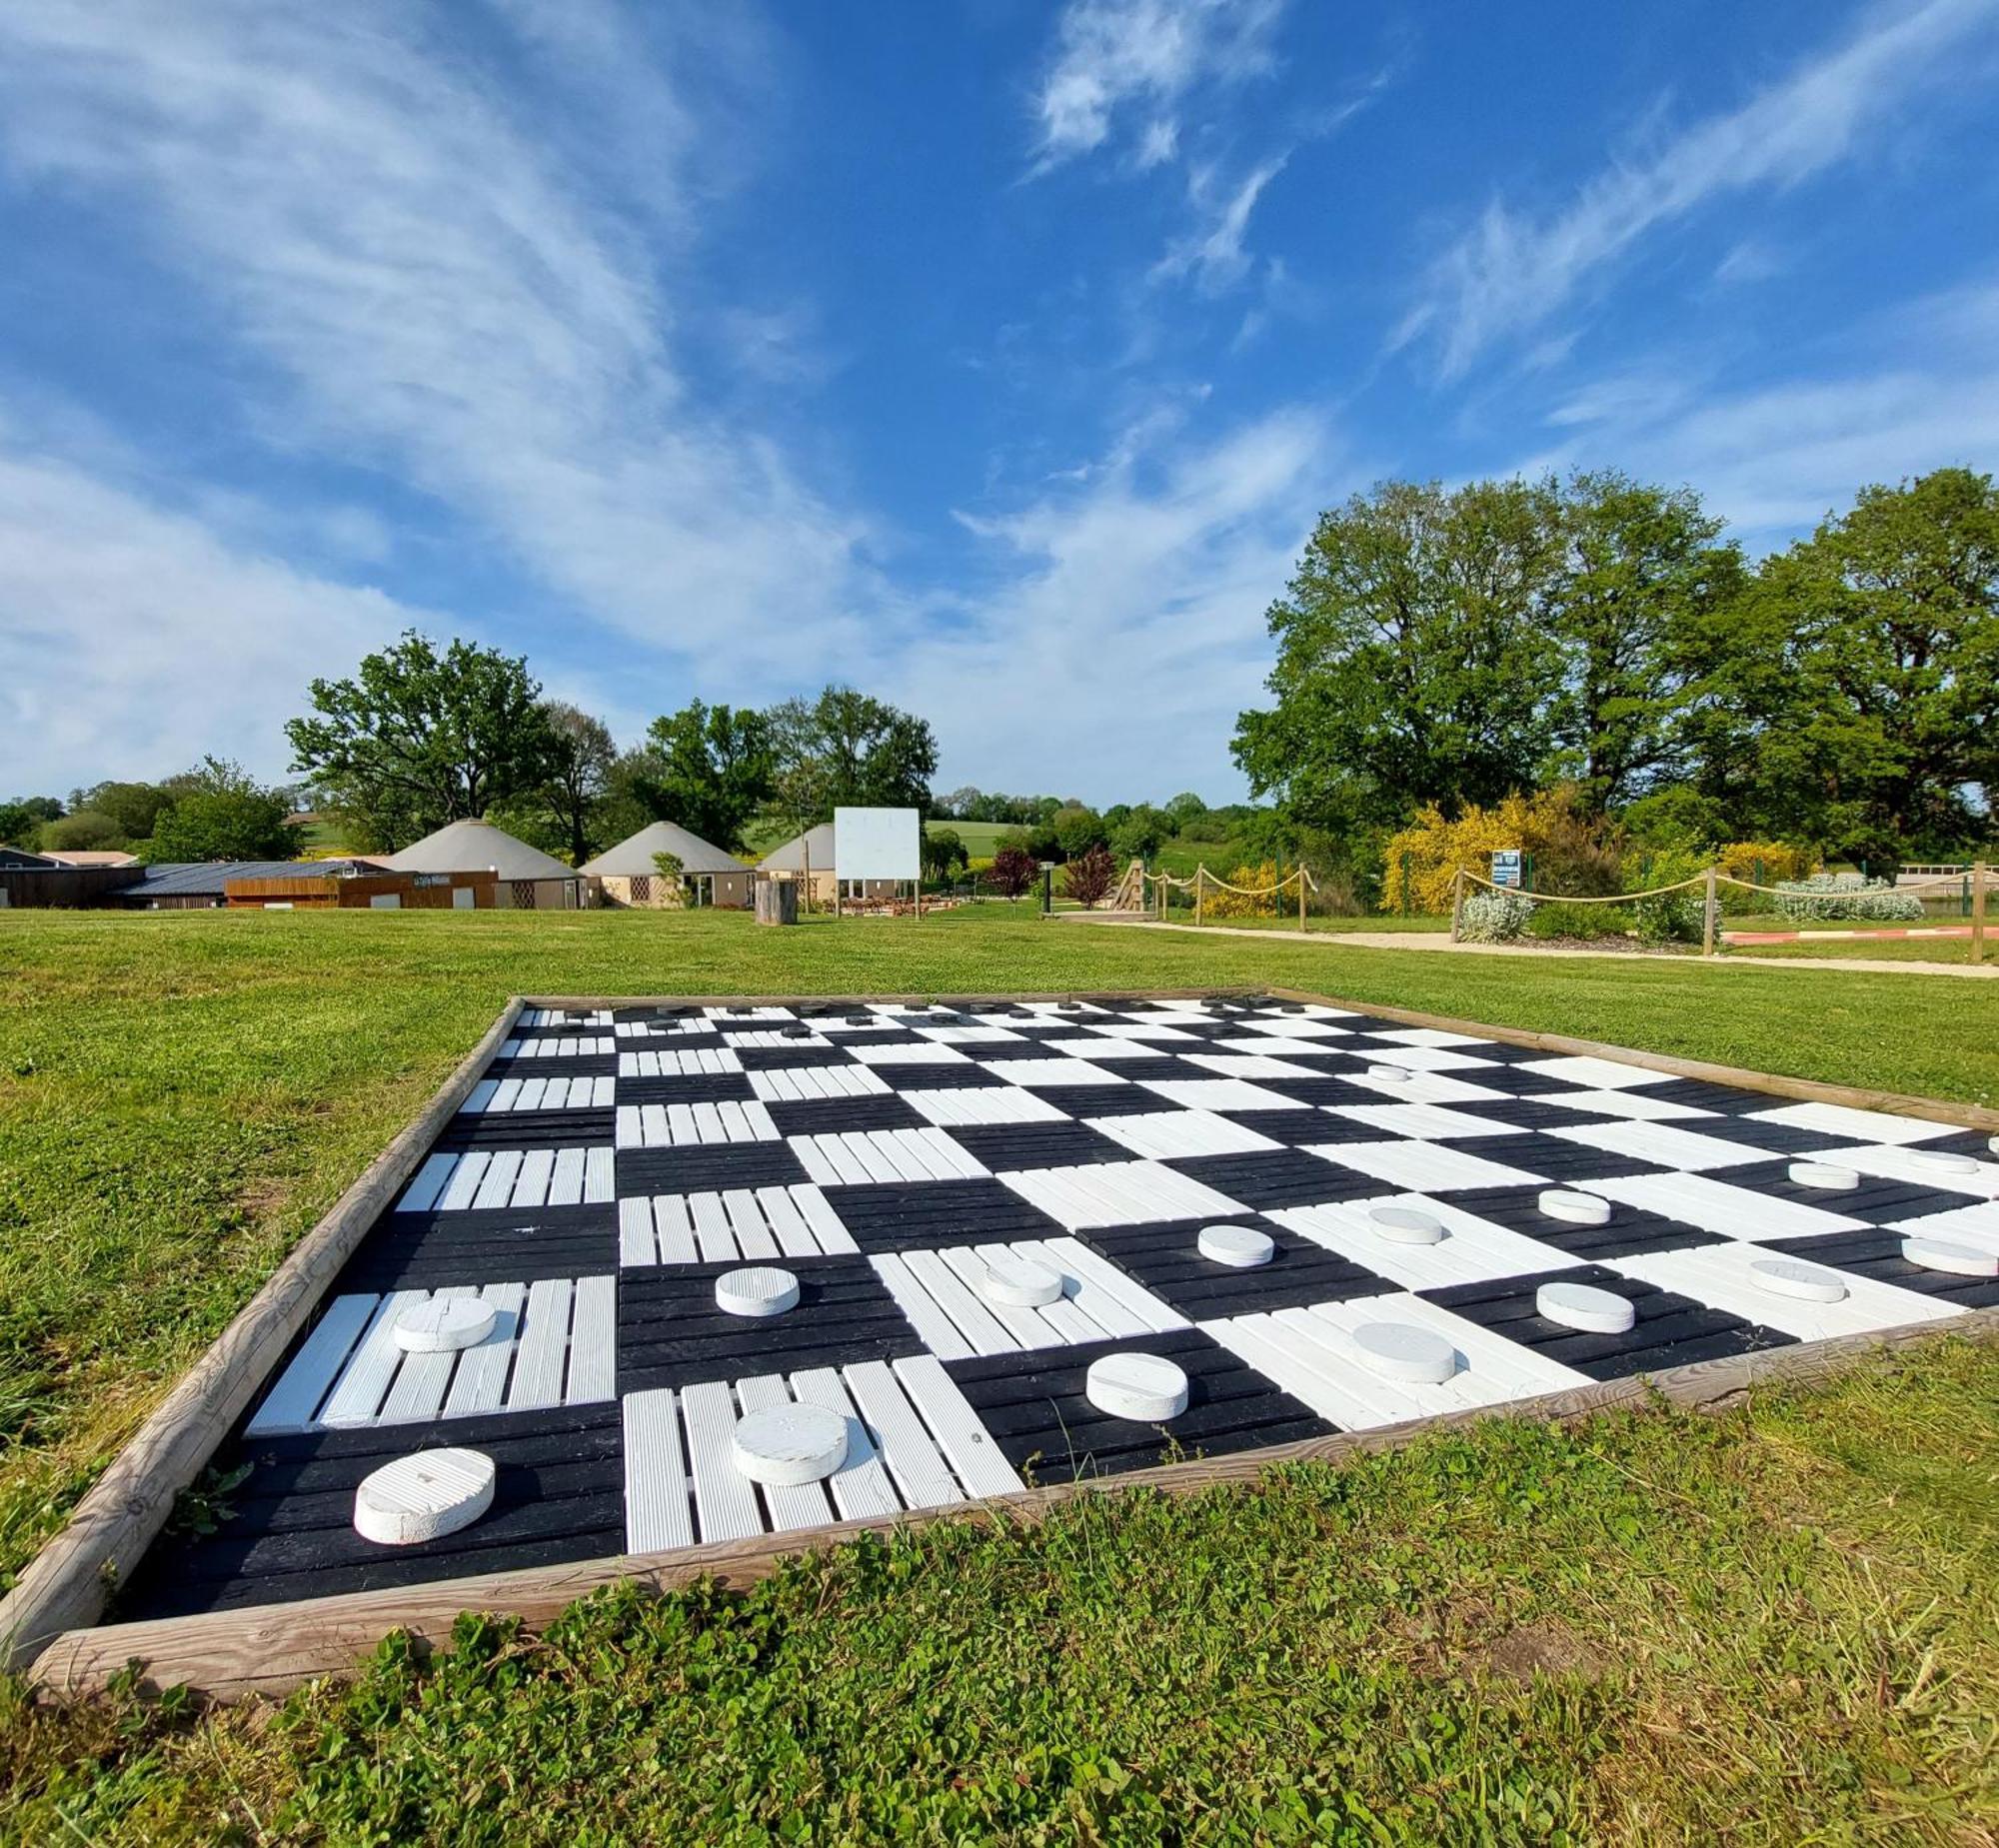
1163, 882
1971, 883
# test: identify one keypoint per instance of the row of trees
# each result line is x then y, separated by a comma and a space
1451, 645
216, 811
419, 737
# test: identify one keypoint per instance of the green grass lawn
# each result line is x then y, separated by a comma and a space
182, 1095
1774, 1626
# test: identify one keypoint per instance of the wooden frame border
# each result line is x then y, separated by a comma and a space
49, 1617
67, 1584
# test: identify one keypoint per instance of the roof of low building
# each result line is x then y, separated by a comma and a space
19, 860
205, 878
96, 857
477, 846
632, 857
815, 843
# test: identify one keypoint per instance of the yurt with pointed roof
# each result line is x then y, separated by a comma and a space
524, 879
630, 873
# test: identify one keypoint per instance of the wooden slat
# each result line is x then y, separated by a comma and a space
725, 1500
481, 1380
655, 1475
636, 1242
860, 1485
290, 1405
923, 1478
975, 1457
364, 1383
592, 1342
543, 1345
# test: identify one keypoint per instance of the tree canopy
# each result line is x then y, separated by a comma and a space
419, 737
847, 749
222, 813
708, 768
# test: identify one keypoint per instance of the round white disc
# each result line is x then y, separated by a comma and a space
784, 1446
1408, 1225
1944, 1161
1019, 1282
1955, 1260
1783, 1276
1577, 1209
443, 1325
423, 1497
1582, 1305
1824, 1174
1401, 1350
1241, 1247
762, 1290
1143, 1387
1390, 1074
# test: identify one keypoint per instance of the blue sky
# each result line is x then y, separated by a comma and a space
995, 357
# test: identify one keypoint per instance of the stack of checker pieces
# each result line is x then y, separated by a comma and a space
612, 1164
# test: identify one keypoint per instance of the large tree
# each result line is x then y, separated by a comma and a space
1641, 571
709, 769
220, 811
132, 805
1852, 695
581, 756
1417, 658
848, 749
418, 738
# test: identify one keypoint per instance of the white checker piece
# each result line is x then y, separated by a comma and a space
551, 1344
719, 1228
943, 1294
1311, 1355
1722, 1277
1472, 1250
1715, 1206
911, 1442
1119, 1193
1909, 1163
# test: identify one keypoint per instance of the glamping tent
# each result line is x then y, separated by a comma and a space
630, 873
524, 879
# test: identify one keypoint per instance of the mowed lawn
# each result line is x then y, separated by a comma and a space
1781, 1622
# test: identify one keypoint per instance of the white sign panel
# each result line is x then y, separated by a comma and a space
877, 843
1506, 865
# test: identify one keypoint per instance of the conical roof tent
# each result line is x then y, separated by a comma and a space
632, 857
815, 844
477, 846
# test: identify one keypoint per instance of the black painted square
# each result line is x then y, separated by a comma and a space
1167, 1259
1877, 1201
1036, 1407
504, 1245
1553, 1157
708, 1167
1279, 1177
1877, 1253
938, 1075
835, 1116
670, 1332
585, 1129
694, 1087
1009, 1148
1628, 1231
1670, 1330
907, 1215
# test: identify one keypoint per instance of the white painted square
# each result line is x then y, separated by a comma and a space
1472, 1250
1723, 1276
1715, 1206
1416, 1166
1119, 1193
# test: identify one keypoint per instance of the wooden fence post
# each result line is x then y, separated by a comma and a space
1197, 872
1707, 918
1456, 903
1978, 911
1302, 897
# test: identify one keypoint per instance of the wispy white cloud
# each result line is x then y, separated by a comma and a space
1123, 62
1127, 603
1212, 254
1513, 269
132, 639
437, 293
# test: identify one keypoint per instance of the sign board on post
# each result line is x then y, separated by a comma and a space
877, 843
1506, 865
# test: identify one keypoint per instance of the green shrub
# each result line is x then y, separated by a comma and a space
1847, 894
1493, 918
1587, 921
1674, 917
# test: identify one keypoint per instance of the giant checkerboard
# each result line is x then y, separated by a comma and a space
611, 1165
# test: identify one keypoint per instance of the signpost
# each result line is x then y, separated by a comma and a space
1506, 867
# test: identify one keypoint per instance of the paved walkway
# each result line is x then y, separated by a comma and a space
1439, 941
